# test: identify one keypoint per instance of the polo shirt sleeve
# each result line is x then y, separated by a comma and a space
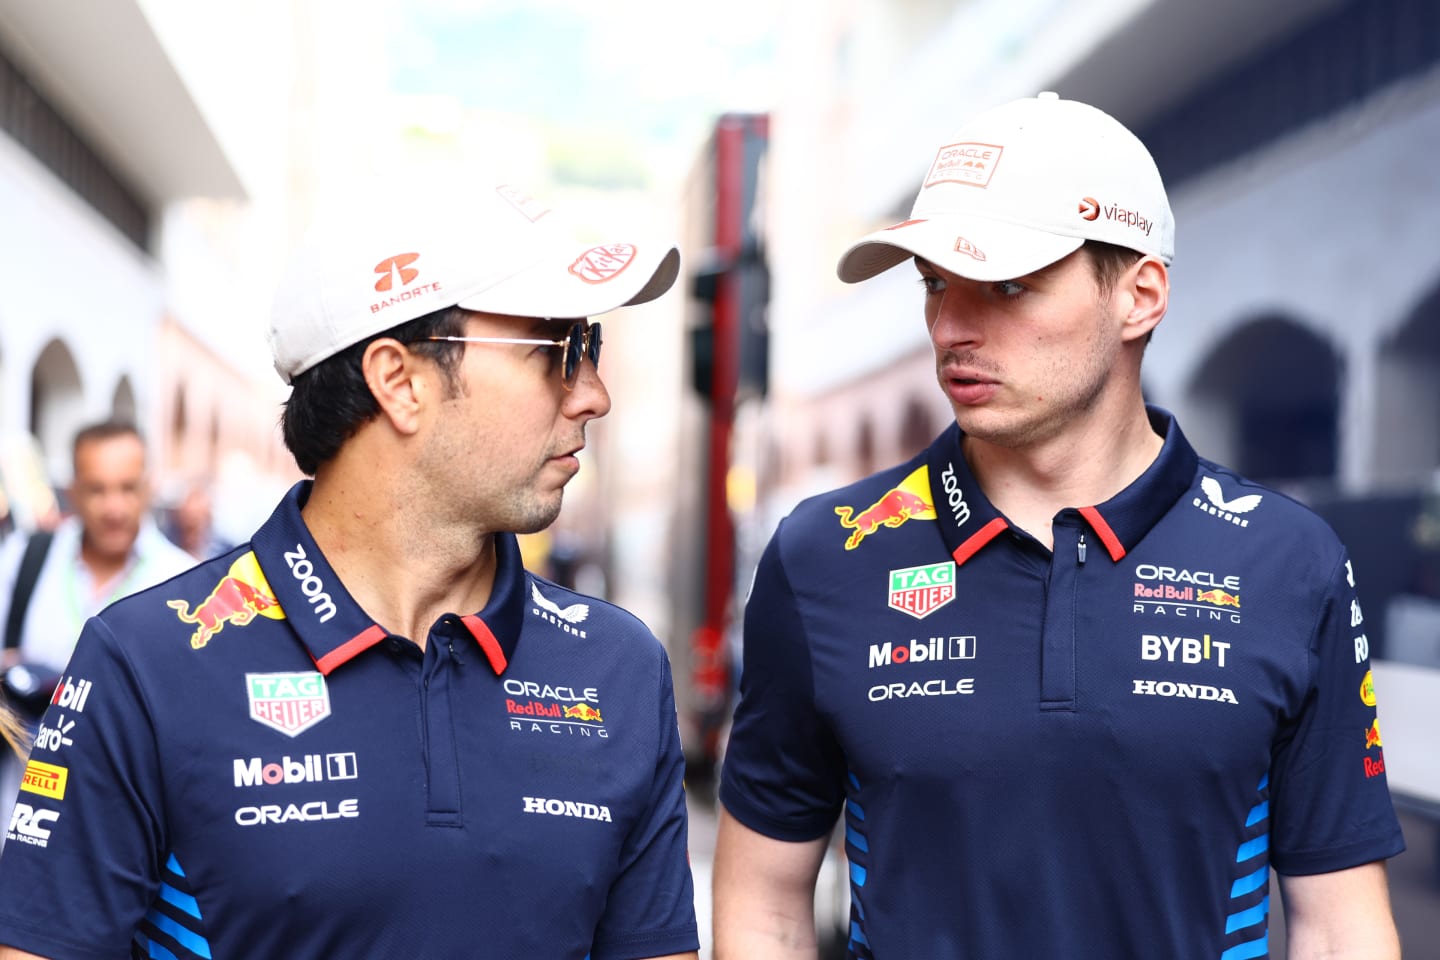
784, 771
1330, 803
81, 858
650, 911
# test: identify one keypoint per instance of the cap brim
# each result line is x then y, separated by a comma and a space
564, 283
973, 247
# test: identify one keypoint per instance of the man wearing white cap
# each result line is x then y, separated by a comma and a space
1074, 690
369, 731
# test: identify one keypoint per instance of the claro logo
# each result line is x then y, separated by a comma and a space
303, 570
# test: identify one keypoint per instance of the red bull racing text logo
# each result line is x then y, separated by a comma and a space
558, 710
909, 501
1374, 766
1187, 594
237, 598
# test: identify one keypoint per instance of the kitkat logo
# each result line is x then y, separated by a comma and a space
391, 267
603, 263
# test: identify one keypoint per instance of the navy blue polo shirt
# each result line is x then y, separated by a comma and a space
241, 763
1095, 751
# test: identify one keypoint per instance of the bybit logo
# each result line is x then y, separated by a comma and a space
398, 264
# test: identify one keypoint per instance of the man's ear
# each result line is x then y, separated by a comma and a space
1146, 288
399, 380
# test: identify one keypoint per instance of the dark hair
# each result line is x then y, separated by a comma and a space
1109, 261
331, 400
104, 430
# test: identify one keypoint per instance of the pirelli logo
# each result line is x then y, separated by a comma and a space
45, 779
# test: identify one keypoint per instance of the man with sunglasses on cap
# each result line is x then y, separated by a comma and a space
1073, 689
370, 732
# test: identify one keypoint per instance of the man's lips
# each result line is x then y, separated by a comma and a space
969, 387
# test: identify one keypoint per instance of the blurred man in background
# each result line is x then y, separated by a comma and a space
1019, 665
51, 582
191, 522
370, 732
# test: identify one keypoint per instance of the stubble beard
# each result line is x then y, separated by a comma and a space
1075, 390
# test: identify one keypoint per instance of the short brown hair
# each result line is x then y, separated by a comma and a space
1109, 261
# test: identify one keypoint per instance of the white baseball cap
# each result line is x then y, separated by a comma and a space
1021, 186
495, 250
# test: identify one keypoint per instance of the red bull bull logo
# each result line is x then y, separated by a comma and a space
909, 501
1219, 597
237, 598
583, 711
1372, 735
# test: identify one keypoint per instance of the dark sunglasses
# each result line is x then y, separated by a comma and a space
581, 340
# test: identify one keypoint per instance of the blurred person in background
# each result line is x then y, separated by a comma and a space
369, 731
1018, 666
191, 523
52, 581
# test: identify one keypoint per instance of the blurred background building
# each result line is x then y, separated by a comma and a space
159, 158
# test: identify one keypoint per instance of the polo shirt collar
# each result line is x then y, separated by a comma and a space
968, 521
334, 628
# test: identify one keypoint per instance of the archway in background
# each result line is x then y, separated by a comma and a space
1407, 410
865, 446
57, 407
1267, 400
123, 406
917, 429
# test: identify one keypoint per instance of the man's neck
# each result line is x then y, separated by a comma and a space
402, 571
1084, 466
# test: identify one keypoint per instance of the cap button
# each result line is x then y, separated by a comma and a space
1047, 95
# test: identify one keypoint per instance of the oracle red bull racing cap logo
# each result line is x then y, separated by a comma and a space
908, 501
237, 598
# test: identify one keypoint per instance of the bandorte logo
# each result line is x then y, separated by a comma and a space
398, 265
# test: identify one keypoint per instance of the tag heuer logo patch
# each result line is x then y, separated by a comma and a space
920, 591
289, 702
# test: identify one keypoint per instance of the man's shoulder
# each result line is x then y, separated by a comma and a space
590, 617
1241, 502
818, 513
187, 586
